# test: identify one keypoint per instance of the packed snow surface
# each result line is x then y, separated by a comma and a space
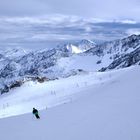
92, 106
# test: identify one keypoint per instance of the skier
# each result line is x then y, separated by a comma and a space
35, 112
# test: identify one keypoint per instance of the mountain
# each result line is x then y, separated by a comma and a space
38, 65
108, 54
13, 52
119, 53
127, 60
66, 60
78, 47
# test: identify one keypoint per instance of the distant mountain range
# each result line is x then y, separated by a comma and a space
18, 66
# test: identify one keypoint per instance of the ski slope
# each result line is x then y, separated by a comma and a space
87, 62
46, 95
92, 106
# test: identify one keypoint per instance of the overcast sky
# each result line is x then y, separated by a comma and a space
106, 9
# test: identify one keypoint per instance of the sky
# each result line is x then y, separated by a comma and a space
47, 23
104, 9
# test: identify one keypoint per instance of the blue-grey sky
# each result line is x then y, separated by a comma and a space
106, 9
47, 23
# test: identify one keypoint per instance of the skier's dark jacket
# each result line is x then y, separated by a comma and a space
35, 111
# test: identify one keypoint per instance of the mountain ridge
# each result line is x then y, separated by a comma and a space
45, 65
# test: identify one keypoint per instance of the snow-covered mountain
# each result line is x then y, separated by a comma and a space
67, 60
38, 65
118, 54
78, 47
13, 53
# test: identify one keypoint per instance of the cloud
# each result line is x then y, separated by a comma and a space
133, 31
104, 9
22, 7
49, 31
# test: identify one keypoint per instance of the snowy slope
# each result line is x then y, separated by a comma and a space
50, 93
85, 62
108, 109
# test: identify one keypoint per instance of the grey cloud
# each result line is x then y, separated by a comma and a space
97, 8
106, 9
22, 8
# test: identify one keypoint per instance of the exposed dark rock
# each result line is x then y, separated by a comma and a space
125, 61
99, 62
16, 84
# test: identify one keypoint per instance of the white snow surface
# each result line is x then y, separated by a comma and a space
92, 106
12, 53
86, 62
75, 49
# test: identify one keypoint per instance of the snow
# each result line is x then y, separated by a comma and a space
100, 106
49, 93
12, 53
86, 62
75, 49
